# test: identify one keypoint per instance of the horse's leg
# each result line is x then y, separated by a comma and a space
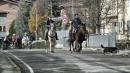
46, 45
50, 45
53, 46
75, 46
70, 45
80, 48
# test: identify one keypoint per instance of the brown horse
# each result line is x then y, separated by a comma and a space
76, 39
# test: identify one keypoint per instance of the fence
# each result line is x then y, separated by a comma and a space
106, 40
93, 40
63, 37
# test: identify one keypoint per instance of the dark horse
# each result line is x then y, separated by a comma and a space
76, 39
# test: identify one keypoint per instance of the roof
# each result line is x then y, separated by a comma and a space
3, 12
14, 2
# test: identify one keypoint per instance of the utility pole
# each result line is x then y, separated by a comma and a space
117, 14
116, 25
72, 9
123, 13
36, 20
51, 8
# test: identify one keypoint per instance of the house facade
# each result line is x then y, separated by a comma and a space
119, 19
8, 11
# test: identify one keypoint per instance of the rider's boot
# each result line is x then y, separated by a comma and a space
46, 36
56, 36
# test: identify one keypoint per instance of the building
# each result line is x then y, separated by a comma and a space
3, 16
120, 19
8, 11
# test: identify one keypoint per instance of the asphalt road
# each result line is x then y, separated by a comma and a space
62, 61
6, 65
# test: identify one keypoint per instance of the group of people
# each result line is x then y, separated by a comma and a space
15, 41
8, 41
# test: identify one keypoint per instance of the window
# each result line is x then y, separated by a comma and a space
128, 3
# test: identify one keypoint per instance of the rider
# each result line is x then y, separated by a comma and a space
76, 22
48, 25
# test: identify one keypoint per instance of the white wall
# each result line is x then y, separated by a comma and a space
97, 40
127, 12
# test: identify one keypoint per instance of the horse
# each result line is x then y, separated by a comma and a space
52, 38
77, 38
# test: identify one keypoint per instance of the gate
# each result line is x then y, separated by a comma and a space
93, 41
97, 40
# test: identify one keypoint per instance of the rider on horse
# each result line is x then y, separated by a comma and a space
48, 25
77, 34
76, 22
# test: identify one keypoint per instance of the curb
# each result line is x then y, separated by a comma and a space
12, 63
17, 69
23, 67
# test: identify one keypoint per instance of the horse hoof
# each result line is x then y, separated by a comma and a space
74, 50
52, 52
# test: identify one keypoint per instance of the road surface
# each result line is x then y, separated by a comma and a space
62, 61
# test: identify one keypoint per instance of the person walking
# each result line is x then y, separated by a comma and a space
14, 40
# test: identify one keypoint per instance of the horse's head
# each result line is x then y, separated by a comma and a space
83, 28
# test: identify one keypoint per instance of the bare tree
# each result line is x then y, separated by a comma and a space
98, 10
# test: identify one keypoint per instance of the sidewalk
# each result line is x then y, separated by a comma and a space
7, 66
